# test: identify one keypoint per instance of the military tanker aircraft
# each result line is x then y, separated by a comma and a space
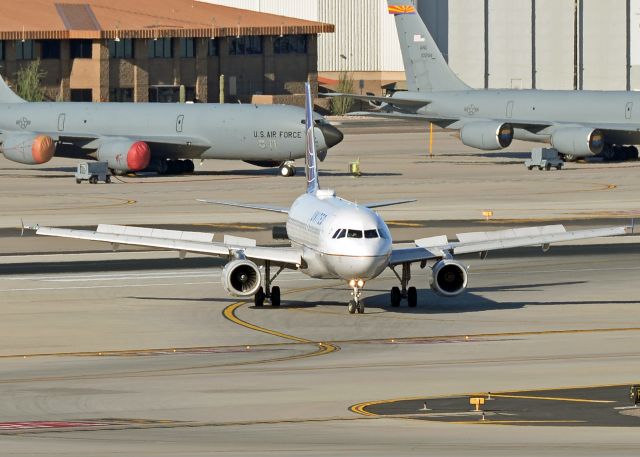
164, 138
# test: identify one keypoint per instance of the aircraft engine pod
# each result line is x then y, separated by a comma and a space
241, 278
29, 148
449, 278
578, 141
125, 155
487, 135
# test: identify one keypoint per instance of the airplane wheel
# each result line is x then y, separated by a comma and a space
352, 307
361, 307
412, 297
396, 297
189, 166
287, 171
275, 296
259, 297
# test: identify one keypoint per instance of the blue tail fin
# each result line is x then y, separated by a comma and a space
311, 158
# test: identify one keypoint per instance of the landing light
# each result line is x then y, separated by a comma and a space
360, 283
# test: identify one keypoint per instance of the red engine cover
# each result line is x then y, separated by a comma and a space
138, 156
42, 149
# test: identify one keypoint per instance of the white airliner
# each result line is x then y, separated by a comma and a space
332, 238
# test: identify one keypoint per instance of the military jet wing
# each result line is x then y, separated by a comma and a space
481, 242
181, 241
396, 101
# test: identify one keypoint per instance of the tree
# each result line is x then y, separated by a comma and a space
28, 82
341, 105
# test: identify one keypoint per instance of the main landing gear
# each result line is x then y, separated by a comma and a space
411, 293
288, 169
266, 292
356, 304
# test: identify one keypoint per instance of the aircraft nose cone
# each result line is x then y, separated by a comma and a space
332, 135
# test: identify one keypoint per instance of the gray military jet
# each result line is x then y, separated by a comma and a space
164, 138
578, 124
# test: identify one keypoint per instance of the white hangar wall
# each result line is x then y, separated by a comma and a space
546, 44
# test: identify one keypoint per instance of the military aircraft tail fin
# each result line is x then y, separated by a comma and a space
311, 157
425, 67
7, 95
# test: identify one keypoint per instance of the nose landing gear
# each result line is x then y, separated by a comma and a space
410, 293
288, 169
356, 304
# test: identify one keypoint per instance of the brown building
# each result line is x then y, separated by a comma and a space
144, 50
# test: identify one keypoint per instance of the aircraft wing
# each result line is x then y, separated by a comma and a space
183, 242
482, 242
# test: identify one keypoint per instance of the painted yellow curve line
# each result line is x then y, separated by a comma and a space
323, 348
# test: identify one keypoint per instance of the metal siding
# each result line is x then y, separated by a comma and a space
390, 55
510, 44
605, 47
466, 40
356, 38
555, 44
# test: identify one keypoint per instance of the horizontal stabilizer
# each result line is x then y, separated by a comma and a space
271, 208
387, 203
416, 103
155, 233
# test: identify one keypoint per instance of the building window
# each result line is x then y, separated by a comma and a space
1, 50
290, 44
214, 48
49, 49
24, 50
170, 94
162, 48
81, 49
121, 49
121, 94
187, 48
81, 95
245, 45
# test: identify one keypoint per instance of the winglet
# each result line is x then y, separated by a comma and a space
311, 158
24, 227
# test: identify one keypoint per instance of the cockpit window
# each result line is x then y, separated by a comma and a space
335, 235
371, 233
354, 234
342, 234
384, 233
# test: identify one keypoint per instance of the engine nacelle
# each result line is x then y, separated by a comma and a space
487, 135
125, 155
241, 278
28, 148
578, 141
449, 278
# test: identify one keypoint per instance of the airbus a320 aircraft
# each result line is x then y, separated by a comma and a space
332, 238
577, 124
164, 138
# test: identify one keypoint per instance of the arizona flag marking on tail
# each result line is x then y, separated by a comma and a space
401, 9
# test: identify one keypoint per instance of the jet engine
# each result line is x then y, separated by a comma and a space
487, 135
578, 141
241, 278
448, 278
125, 155
28, 148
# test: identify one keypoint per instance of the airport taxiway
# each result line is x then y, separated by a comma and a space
138, 353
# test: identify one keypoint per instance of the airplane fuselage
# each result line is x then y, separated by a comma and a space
338, 238
599, 108
239, 132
